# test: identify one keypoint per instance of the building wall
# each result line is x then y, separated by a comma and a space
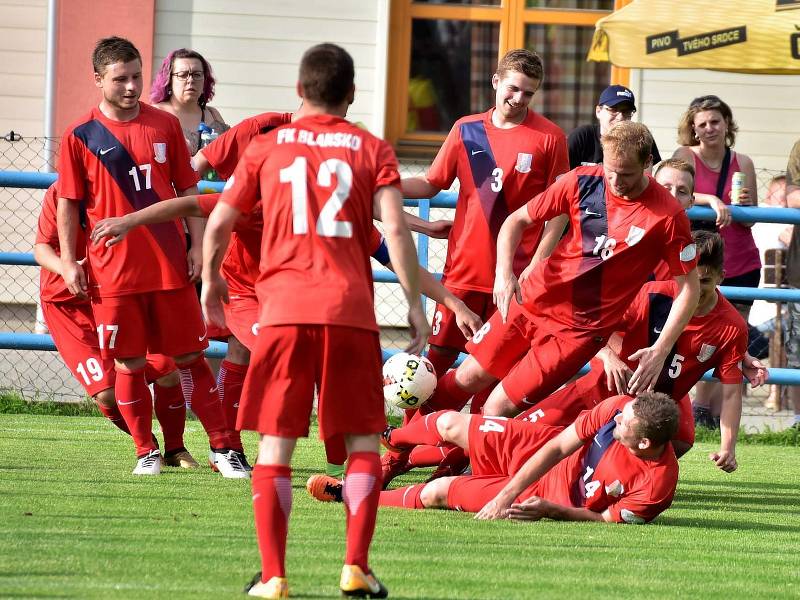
765, 108
255, 47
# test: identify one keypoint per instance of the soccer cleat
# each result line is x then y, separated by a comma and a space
243, 460
355, 583
385, 436
149, 464
227, 463
276, 587
181, 458
394, 464
325, 488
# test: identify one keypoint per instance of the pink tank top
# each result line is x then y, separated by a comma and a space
741, 253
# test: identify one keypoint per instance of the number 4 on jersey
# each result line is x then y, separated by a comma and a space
296, 175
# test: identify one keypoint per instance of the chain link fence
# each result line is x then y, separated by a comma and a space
42, 375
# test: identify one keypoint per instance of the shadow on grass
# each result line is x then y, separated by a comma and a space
763, 499
738, 485
728, 525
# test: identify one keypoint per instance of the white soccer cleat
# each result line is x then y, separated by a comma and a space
149, 464
228, 464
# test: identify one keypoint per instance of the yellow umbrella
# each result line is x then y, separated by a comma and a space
761, 36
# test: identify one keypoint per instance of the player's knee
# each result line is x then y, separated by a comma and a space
449, 425
499, 405
185, 359
170, 379
129, 365
434, 494
105, 398
472, 377
237, 352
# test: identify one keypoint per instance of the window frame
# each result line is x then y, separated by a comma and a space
511, 15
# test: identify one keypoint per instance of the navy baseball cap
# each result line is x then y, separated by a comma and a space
616, 94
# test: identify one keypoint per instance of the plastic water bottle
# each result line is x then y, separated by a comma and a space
207, 135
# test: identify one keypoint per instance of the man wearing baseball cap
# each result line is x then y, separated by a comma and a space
616, 104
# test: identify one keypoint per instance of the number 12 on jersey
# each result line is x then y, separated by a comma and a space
296, 175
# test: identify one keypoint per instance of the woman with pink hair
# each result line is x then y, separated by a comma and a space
183, 86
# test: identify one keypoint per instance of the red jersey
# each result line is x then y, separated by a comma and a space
51, 285
605, 475
498, 170
119, 167
224, 152
316, 178
611, 248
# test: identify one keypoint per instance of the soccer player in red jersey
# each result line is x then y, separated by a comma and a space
715, 338
320, 180
614, 464
74, 333
121, 156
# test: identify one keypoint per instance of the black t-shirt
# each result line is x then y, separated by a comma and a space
584, 147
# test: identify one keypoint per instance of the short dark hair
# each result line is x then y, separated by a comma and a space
710, 249
627, 137
326, 74
112, 50
657, 417
522, 61
686, 136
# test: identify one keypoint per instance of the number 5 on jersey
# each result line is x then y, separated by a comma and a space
296, 175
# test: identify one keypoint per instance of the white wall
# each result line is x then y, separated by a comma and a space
255, 48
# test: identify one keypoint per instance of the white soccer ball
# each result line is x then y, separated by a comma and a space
408, 380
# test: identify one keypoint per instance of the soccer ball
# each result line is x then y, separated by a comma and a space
408, 380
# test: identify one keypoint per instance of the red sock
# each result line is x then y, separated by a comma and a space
456, 460
335, 450
441, 361
362, 488
113, 415
404, 497
421, 431
136, 405
272, 503
427, 456
171, 414
448, 395
230, 380
200, 392
478, 400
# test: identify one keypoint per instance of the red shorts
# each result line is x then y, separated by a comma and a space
560, 408
445, 331
75, 336
686, 420
288, 361
163, 322
241, 317
531, 362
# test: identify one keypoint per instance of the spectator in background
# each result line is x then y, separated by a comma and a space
616, 104
707, 132
793, 277
183, 86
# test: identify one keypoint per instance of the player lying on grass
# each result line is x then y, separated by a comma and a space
614, 464
74, 332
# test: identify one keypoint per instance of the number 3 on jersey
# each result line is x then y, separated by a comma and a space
296, 175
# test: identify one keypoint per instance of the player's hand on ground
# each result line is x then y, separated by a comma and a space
114, 228
755, 371
419, 328
723, 212
646, 374
468, 322
533, 509
75, 279
617, 372
493, 510
506, 288
195, 259
440, 229
213, 294
724, 460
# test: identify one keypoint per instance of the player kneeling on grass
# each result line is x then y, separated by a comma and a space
614, 464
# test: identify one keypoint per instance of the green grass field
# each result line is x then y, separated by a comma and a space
76, 524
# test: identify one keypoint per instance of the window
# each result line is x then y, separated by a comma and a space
444, 52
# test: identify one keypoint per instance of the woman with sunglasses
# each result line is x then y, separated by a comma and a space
707, 133
183, 86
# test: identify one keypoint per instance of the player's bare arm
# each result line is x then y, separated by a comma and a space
403, 256
553, 230
200, 163
67, 220
418, 187
436, 229
651, 359
196, 227
116, 228
729, 419
46, 257
215, 243
536, 508
506, 285
548, 456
